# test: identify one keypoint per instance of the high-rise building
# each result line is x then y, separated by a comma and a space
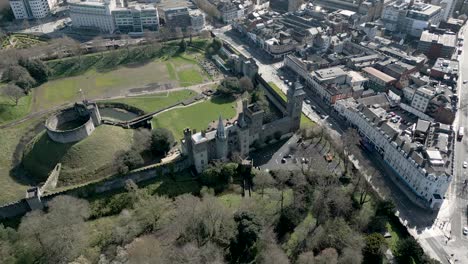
109, 16
447, 6
284, 6
136, 19
93, 14
411, 19
30, 9
177, 17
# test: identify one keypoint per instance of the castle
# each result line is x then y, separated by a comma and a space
249, 129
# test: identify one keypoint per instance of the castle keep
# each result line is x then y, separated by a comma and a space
249, 129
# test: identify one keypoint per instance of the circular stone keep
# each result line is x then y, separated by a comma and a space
73, 124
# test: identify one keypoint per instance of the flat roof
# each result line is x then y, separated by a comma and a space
330, 73
378, 74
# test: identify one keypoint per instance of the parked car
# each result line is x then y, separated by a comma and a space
465, 230
465, 81
307, 101
283, 160
314, 107
465, 164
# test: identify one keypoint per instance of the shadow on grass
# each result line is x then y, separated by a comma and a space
222, 99
40, 157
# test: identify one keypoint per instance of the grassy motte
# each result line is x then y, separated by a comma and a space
86, 160
197, 116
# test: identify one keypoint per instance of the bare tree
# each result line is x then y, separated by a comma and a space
350, 256
350, 141
263, 180
60, 235
327, 256
270, 251
201, 221
13, 92
306, 258
282, 178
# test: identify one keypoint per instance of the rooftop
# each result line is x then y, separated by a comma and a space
378, 74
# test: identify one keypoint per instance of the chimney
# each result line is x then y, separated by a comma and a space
125, 3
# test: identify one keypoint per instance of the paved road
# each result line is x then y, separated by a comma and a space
270, 70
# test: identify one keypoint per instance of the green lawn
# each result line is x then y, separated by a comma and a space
197, 116
13, 189
83, 161
98, 81
150, 103
396, 236
278, 91
190, 77
9, 111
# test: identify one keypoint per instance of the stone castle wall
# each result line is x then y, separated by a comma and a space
72, 135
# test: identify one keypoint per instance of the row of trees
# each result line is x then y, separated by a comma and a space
153, 143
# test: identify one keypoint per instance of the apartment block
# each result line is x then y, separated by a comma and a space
32, 9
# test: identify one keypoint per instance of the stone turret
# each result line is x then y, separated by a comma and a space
187, 144
296, 97
221, 141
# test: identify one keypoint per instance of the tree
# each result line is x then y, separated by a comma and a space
201, 222
37, 69
141, 140
375, 248
58, 236
409, 251
246, 84
128, 160
243, 247
20, 76
161, 141
152, 212
263, 180
269, 250
13, 92
282, 178
8, 238
327, 256
349, 146
306, 258
218, 176
182, 45
350, 256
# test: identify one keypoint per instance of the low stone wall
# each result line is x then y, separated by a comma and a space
21, 207
71, 135
127, 107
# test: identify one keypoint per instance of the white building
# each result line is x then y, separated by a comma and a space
447, 7
135, 19
93, 14
421, 99
400, 16
197, 20
420, 154
29, 9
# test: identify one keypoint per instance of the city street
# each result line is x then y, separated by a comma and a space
270, 71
